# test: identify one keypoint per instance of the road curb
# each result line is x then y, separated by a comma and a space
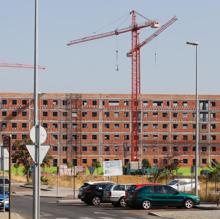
207, 207
69, 201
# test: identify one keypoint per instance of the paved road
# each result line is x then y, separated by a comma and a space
51, 210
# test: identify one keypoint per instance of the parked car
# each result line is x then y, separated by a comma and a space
184, 185
115, 194
81, 189
161, 195
131, 189
92, 194
4, 200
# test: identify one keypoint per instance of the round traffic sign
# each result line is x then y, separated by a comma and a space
42, 134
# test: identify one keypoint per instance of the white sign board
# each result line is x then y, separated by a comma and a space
135, 165
4, 159
43, 151
112, 168
42, 135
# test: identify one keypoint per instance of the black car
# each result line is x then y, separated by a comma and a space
92, 194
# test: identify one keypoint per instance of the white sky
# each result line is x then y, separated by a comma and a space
90, 67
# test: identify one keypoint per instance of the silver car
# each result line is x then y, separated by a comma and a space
115, 194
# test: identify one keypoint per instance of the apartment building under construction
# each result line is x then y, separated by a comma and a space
83, 128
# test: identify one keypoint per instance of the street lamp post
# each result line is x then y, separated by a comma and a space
197, 120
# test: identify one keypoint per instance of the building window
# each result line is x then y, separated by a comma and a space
185, 115
213, 115
204, 137
94, 102
24, 136
4, 113
45, 102
175, 137
94, 114
24, 113
175, 148
84, 102
213, 104
126, 114
74, 125
155, 161
126, 137
185, 148
185, 161
175, 115
65, 125
84, 161
213, 126
165, 114
65, 114
55, 148
165, 137
106, 137
65, 102
4, 102
204, 149
74, 137
145, 125
175, 103
116, 114
55, 162
185, 126
45, 113
106, 148
113, 103
84, 114
14, 113
145, 103
94, 125
74, 162
64, 137
14, 136
24, 125
204, 161
65, 148
55, 102
74, 148
107, 114
145, 114
84, 137
94, 148
126, 103
165, 126
84, 125
14, 125
185, 137
4, 125
164, 149
175, 126
155, 126
64, 161
126, 126
213, 137
55, 136
194, 126
84, 148
213, 148
204, 126
117, 125
14, 102
74, 114
155, 114
94, 137
116, 136
55, 125
185, 104
55, 114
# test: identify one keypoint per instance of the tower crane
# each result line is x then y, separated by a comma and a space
134, 53
19, 65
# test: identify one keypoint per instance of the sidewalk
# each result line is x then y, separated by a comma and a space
13, 215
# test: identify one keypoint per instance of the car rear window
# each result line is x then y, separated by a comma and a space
119, 188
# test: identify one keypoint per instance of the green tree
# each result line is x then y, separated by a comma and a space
22, 157
145, 163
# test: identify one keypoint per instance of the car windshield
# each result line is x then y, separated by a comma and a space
173, 182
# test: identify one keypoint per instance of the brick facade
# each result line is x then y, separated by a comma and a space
86, 127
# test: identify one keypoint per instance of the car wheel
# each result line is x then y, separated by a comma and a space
188, 203
146, 204
122, 202
96, 200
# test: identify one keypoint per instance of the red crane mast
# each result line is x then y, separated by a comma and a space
135, 66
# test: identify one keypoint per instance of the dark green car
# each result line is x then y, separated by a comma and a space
161, 195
